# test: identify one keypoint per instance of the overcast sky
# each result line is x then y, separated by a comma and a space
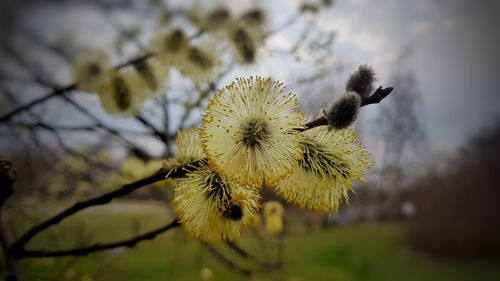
455, 51
455, 60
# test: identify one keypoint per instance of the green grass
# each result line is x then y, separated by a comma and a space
361, 252
374, 252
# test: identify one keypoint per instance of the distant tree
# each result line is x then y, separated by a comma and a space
399, 123
455, 208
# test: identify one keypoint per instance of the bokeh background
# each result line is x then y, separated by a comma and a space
427, 212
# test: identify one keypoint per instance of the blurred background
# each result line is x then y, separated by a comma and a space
427, 212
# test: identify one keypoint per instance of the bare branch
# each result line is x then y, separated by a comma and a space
130, 242
68, 150
244, 254
161, 136
61, 91
6, 181
135, 149
68, 88
166, 124
377, 96
229, 263
160, 175
55, 93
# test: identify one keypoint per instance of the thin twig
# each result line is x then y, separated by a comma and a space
377, 96
18, 246
6, 180
229, 263
130, 242
244, 254
161, 136
134, 148
55, 93
166, 124
68, 150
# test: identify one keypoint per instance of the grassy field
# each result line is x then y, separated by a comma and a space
360, 252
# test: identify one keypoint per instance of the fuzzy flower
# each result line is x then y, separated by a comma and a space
124, 93
254, 17
153, 73
344, 111
90, 70
245, 42
188, 149
362, 81
211, 208
200, 64
217, 19
211, 19
273, 216
249, 131
171, 47
333, 161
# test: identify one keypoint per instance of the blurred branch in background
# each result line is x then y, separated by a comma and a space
399, 126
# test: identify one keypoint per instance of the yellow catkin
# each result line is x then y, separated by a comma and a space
333, 161
124, 93
201, 64
90, 70
188, 149
249, 132
273, 217
211, 208
245, 43
171, 47
153, 72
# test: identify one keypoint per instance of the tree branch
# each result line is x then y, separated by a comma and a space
130, 242
68, 88
166, 124
135, 149
61, 91
18, 246
240, 251
229, 263
162, 136
6, 180
377, 96
55, 93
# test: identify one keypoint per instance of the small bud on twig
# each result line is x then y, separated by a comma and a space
344, 111
361, 81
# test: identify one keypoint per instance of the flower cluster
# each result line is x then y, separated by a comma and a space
253, 136
123, 90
